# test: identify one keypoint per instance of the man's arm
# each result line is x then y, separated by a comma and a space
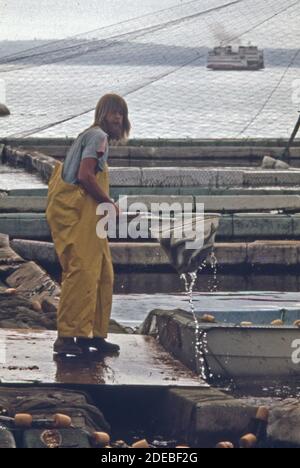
87, 178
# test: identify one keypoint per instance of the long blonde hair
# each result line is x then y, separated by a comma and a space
112, 103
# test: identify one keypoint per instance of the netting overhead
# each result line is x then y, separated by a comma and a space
159, 62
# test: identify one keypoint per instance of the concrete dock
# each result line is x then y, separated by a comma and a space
26, 357
260, 222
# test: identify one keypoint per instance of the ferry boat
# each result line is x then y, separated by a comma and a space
245, 58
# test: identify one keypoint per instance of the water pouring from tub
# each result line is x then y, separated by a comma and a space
186, 238
188, 244
188, 241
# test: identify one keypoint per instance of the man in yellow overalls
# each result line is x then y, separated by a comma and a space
75, 190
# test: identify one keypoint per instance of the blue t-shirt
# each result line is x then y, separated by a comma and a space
92, 143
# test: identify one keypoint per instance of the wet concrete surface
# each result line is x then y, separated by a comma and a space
26, 357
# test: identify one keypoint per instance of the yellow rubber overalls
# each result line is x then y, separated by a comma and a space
87, 280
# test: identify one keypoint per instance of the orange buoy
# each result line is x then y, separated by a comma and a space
225, 445
246, 324
62, 421
23, 420
101, 439
277, 323
208, 318
11, 291
248, 441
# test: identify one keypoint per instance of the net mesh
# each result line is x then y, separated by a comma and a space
158, 62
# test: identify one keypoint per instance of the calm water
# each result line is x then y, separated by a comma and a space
53, 19
169, 283
58, 91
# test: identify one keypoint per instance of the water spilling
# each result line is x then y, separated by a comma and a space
200, 334
188, 258
187, 243
188, 261
213, 285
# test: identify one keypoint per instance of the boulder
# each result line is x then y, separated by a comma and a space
4, 111
284, 424
268, 162
282, 166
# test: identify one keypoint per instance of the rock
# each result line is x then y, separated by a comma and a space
272, 163
268, 163
4, 111
284, 424
281, 166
